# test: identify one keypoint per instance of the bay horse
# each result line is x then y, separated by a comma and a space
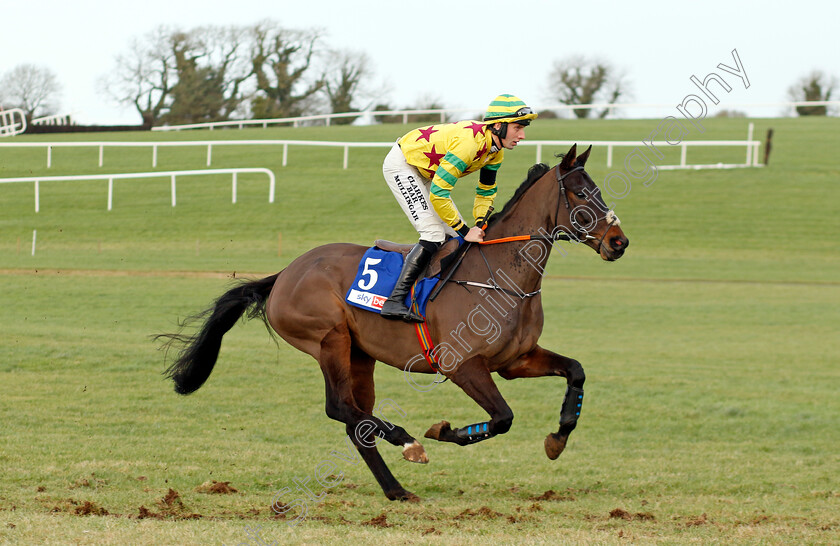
494, 329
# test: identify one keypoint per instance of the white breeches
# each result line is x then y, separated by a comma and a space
411, 191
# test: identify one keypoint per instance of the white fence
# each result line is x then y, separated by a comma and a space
12, 122
55, 119
752, 148
172, 174
208, 143
445, 113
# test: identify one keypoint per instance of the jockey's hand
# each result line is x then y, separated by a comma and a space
476, 235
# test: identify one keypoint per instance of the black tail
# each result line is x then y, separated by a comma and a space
200, 351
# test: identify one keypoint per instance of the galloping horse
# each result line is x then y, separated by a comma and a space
305, 305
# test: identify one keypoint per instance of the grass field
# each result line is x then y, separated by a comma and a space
711, 349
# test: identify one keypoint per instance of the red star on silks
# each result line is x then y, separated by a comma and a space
477, 128
434, 157
481, 152
426, 133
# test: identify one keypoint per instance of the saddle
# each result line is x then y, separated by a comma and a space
442, 259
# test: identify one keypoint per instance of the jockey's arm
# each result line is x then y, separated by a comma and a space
451, 168
485, 191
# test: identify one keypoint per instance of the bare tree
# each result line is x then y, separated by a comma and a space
227, 55
280, 60
579, 80
182, 77
145, 75
816, 86
343, 82
32, 88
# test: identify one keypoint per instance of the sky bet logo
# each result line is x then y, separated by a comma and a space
373, 301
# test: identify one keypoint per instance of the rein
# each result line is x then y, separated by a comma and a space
561, 236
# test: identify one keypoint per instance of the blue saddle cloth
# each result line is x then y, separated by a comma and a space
375, 280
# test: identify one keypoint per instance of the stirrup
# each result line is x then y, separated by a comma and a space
400, 312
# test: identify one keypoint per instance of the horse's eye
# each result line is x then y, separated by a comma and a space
581, 195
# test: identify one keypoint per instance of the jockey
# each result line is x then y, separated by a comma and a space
423, 167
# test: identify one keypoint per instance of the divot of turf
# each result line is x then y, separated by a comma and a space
379, 521
216, 488
619, 513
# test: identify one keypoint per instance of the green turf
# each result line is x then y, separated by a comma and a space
710, 349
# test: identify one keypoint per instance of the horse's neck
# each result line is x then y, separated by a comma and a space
524, 262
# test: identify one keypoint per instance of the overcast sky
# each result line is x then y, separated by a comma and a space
462, 52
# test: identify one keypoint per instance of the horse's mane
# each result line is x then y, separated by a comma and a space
534, 173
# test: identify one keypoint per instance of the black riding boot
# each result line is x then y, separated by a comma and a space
415, 264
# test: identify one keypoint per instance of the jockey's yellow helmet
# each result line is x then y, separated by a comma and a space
509, 109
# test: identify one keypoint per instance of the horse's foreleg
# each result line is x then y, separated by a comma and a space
475, 380
350, 396
540, 363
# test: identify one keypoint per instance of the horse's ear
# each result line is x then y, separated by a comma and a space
581, 159
569, 158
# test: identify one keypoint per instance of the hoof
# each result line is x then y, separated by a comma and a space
415, 453
436, 430
409, 497
554, 445
402, 495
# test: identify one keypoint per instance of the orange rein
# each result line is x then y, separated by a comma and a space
506, 240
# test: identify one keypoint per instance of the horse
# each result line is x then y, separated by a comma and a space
494, 329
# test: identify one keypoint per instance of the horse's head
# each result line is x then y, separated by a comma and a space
581, 211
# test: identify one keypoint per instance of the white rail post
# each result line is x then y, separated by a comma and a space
405, 117
101, 154
346, 154
37, 198
234, 188
271, 184
110, 192
443, 120
539, 152
154, 155
285, 152
755, 154
682, 154
750, 128
210, 152
49, 156
173, 190
609, 155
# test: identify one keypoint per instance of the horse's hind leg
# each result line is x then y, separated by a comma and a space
540, 363
475, 380
348, 374
361, 367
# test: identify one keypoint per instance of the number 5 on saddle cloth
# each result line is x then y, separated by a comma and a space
375, 280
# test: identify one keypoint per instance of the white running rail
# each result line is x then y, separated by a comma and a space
752, 147
172, 174
12, 122
445, 113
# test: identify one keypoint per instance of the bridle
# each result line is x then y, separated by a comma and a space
577, 235
555, 236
